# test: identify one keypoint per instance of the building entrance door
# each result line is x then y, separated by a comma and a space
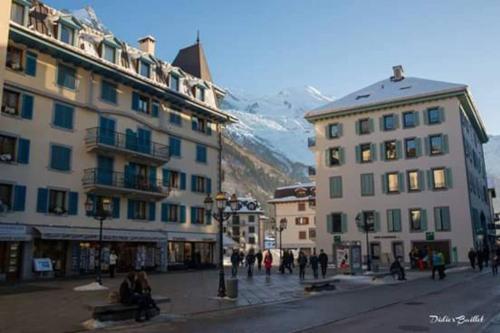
398, 250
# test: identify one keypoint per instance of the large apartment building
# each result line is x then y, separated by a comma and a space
405, 155
295, 205
86, 116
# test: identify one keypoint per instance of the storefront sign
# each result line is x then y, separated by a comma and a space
429, 236
14, 233
385, 237
42, 265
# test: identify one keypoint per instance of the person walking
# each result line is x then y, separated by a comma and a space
472, 258
113, 259
441, 266
268, 262
235, 261
323, 262
494, 264
250, 261
486, 255
242, 258
258, 256
480, 260
435, 263
398, 269
302, 261
289, 261
313, 261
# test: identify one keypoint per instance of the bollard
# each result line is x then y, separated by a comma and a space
232, 288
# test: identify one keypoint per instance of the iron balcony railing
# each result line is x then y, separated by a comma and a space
128, 142
102, 177
311, 141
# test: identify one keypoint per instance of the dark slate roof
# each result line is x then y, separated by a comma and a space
193, 61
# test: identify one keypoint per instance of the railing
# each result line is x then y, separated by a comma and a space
311, 141
311, 171
97, 135
95, 176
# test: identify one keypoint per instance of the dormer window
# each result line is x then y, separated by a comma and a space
362, 96
199, 93
67, 34
145, 68
174, 82
18, 11
109, 53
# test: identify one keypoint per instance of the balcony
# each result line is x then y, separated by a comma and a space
311, 142
107, 183
104, 140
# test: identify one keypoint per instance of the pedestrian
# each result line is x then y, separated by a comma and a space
129, 296
472, 258
235, 261
441, 267
398, 269
113, 259
289, 262
268, 262
413, 257
250, 261
258, 256
480, 260
302, 261
435, 260
323, 262
313, 261
494, 264
486, 255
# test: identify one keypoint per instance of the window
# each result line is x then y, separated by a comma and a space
140, 209
251, 240
17, 13
198, 215
174, 179
439, 179
336, 223
175, 146
301, 221
367, 185
393, 182
336, 187
200, 184
301, 206
145, 68
415, 219
109, 53
312, 233
302, 235
108, 92
173, 213
143, 105
201, 154
57, 202
409, 119
200, 125
6, 195
10, 102
413, 180
63, 116
251, 230
199, 93
389, 122
67, 34
174, 82
7, 148
366, 152
334, 131
251, 218
394, 220
442, 218
436, 144
390, 150
60, 158
411, 148
14, 58
434, 116
66, 76
175, 118
334, 156
364, 126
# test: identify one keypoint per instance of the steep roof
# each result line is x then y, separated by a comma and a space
193, 61
387, 91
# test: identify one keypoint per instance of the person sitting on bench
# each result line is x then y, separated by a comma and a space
128, 296
397, 268
143, 288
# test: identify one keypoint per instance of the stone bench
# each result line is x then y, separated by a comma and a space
117, 311
319, 284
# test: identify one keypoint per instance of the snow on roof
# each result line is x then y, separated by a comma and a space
298, 185
291, 198
387, 90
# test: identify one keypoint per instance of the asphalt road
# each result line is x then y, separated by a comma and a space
389, 308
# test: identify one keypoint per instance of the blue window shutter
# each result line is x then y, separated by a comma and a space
166, 175
356, 128
42, 200
193, 183
60, 158
155, 109
417, 118
130, 139
209, 185
329, 224
446, 148
183, 181
135, 101
27, 108
208, 217
30, 64
423, 219
193, 215
448, 178
384, 183
182, 214
73, 203
116, 207
152, 177
23, 151
399, 149
19, 198
343, 221
130, 209
199, 153
164, 212
358, 154
152, 211
382, 151
63, 116
373, 148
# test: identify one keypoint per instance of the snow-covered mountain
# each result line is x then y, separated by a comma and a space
276, 121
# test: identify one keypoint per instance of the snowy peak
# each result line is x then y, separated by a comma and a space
88, 16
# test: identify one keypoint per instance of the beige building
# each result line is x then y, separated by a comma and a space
404, 154
244, 225
295, 204
86, 116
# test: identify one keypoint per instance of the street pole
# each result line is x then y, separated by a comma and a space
282, 268
99, 277
222, 284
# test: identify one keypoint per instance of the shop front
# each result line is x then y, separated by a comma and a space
12, 240
191, 250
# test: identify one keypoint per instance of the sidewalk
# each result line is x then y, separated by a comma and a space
53, 306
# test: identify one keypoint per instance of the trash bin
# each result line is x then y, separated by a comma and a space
232, 288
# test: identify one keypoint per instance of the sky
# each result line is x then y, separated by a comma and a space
264, 46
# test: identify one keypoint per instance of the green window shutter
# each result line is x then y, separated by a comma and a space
441, 115
417, 118
164, 212
27, 107
344, 222
329, 223
130, 209
446, 218
340, 130
427, 144
373, 148
445, 144
424, 219
152, 211
356, 127
327, 131
183, 181
384, 183
336, 187
166, 176
382, 152
397, 219
381, 123
116, 207
193, 215
358, 154
429, 179
421, 180
390, 220
182, 214
342, 156
73, 203
327, 158
437, 218
371, 125
399, 150
401, 181
448, 178
396, 121
418, 144
377, 222
426, 117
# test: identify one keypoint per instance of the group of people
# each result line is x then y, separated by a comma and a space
481, 258
135, 289
287, 262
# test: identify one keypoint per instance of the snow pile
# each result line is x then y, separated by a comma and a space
94, 286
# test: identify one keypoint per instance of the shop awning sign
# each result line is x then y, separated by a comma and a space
108, 235
14, 233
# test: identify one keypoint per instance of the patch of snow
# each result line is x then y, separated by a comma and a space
94, 286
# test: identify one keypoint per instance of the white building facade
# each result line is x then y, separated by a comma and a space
244, 225
406, 155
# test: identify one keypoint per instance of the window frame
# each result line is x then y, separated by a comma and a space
429, 111
386, 151
360, 126
387, 175
442, 229
408, 180
177, 79
113, 85
20, 52
65, 27
412, 114
74, 73
337, 133
338, 149
433, 180
361, 150
144, 64
339, 215
410, 220
3, 138
414, 140
386, 117
17, 108
69, 148
390, 226
108, 47
10, 202
441, 145
51, 206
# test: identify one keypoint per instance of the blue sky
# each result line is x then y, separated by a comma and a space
262, 46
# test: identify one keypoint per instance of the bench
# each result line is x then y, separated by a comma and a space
318, 284
117, 311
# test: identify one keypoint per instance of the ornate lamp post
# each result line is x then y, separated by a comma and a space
221, 203
102, 211
283, 223
365, 222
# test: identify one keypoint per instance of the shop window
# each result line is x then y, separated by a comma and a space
11, 102
302, 235
14, 58
6, 191
57, 202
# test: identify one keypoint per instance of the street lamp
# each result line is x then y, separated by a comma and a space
366, 224
221, 203
283, 223
102, 211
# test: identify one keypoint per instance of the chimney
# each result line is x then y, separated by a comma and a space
147, 44
399, 73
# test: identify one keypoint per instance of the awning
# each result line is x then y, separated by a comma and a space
191, 237
108, 235
14, 233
